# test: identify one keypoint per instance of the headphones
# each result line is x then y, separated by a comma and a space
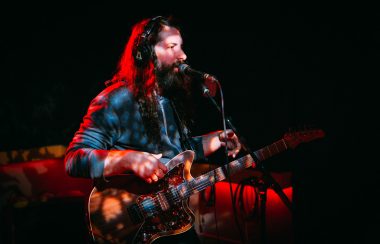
143, 51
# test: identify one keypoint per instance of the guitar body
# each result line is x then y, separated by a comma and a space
126, 209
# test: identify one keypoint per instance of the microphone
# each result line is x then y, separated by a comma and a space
208, 81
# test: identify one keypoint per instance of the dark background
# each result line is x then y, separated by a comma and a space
281, 65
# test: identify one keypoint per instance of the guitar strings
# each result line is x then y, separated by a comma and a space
151, 206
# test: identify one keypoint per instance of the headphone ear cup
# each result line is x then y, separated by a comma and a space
143, 53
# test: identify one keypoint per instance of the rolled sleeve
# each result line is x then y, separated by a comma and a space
98, 132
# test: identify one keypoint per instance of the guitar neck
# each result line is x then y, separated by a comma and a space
271, 150
200, 183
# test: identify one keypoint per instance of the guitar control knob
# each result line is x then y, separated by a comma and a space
145, 237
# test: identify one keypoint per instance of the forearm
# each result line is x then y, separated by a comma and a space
143, 164
96, 163
211, 142
119, 161
214, 140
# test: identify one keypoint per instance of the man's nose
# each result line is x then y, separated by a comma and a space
182, 56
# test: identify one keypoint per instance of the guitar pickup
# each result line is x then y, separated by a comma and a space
135, 214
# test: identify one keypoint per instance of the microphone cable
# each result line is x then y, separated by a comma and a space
227, 170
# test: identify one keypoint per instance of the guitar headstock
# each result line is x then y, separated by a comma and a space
293, 139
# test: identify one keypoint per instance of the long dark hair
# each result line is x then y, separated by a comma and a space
141, 79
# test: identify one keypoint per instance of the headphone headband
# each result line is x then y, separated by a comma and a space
150, 26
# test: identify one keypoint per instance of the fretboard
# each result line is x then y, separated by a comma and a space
270, 150
200, 183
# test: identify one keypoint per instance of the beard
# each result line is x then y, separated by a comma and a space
171, 83
178, 88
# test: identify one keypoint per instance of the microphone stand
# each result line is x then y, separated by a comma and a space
267, 179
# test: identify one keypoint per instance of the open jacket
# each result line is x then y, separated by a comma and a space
113, 122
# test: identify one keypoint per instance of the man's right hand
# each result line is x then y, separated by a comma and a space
144, 165
148, 166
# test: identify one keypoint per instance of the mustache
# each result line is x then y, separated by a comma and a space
163, 67
178, 63
166, 70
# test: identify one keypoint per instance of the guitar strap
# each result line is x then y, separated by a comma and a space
184, 132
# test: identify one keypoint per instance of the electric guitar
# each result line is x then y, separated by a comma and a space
126, 209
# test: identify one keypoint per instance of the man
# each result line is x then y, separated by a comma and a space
143, 116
